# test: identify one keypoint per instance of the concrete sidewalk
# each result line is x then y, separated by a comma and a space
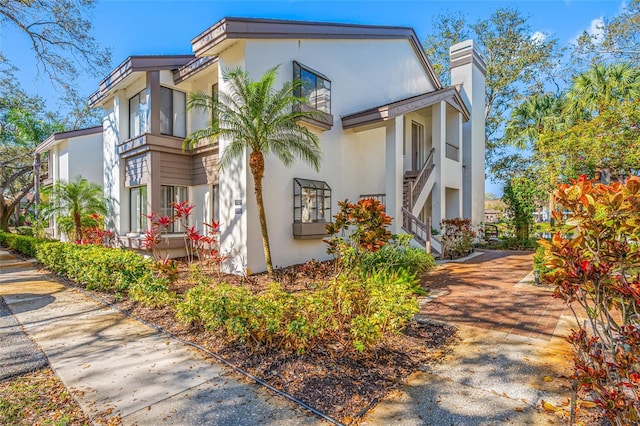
117, 366
511, 354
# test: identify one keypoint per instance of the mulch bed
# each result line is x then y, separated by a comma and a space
343, 385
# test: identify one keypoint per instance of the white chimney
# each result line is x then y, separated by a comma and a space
468, 70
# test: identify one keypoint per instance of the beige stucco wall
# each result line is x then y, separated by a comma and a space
363, 74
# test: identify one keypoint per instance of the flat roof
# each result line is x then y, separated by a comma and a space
226, 31
133, 64
394, 109
55, 137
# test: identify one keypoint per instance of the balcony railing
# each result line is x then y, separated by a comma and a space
452, 152
380, 197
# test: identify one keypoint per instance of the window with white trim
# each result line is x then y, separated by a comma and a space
170, 195
138, 208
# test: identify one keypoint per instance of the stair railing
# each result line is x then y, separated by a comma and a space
421, 231
417, 185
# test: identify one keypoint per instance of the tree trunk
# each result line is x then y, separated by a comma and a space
256, 164
77, 221
4, 217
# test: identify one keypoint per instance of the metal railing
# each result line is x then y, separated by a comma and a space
417, 185
421, 231
452, 152
380, 197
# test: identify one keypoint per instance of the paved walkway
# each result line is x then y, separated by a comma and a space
117, 366
510, 356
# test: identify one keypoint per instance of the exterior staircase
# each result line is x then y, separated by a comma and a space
416, 189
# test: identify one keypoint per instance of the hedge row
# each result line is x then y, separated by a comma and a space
96, 267
20, 243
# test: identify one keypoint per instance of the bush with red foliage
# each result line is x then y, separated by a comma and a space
594, 261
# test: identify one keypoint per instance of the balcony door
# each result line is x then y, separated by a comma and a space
418, 151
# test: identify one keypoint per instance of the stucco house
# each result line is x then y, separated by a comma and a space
64, 156
387, 127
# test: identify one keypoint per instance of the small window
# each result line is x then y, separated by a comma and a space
138, 114
215, 203
316, 88
311, 201
168, 196
138, 209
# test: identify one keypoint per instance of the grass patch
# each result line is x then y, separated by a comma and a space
38, 398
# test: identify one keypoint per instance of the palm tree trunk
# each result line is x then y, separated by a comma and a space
78, 225
256, 164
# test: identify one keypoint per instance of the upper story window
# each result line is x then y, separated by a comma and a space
173, 118
315, 87
138, 111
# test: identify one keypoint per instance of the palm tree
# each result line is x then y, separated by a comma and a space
254, 116
75, 200
536, 114
602, 85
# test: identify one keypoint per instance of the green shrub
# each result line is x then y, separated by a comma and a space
20, 243
539, 260
25, 230
98, 268
398, 255
359, 313
151, 291
517, 244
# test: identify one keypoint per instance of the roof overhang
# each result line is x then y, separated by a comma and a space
193, 67
136, 64
382, 113
49, 142
229, 30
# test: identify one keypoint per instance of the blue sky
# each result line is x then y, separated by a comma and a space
124, 26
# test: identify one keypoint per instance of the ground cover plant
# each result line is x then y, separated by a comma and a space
335, 334
597, 273
39, 398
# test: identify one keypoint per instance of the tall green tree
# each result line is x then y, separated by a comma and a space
23, 125
255, 117
75, 200
603, 85
533, 116
618, 39
518, 63
521, 195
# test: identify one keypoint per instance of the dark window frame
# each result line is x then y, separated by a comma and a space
142, 117
317, 189
172, 131
298, 69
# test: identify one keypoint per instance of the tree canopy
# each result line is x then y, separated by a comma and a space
59, 33
617, 39
518, 64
